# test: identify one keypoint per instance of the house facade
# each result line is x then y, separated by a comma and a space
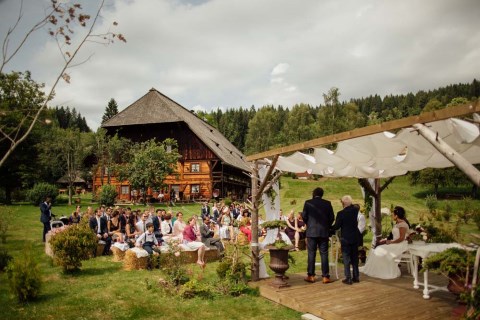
209, 166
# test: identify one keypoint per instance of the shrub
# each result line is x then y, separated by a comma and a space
466, 209
173, 265
24, 277
74, 244
40, 191
108, 194
5, 258
432, 203
447, 214
5, 219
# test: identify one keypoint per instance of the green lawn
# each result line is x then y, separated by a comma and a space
102, 290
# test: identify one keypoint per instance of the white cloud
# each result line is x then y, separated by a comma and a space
230, 53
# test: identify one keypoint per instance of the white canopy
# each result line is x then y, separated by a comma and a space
386, 154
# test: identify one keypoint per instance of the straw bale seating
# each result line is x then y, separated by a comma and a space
132, 262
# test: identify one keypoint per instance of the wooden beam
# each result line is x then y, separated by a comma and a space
436, 115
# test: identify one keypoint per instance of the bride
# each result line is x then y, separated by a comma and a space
381, 261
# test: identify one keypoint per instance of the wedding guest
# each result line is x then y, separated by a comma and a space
46, 215
98, 224
179, 226
318, 216
190, 240
207, 231
347, 222
167, 226
148, 240
114, 227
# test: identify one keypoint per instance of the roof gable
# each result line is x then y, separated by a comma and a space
154, 107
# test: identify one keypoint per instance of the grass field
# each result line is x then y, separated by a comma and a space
102, 290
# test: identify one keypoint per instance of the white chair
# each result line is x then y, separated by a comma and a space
333, 254
406, 257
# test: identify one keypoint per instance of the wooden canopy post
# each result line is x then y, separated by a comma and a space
255, 269
448, 152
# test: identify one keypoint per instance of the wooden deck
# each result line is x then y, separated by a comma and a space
370, 299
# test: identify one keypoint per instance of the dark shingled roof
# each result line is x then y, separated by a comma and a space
154, 107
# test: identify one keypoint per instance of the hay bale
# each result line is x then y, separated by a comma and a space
118, 255
100, 248
131, 262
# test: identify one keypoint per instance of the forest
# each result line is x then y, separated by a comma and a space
61, 143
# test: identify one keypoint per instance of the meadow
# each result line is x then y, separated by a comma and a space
103, 290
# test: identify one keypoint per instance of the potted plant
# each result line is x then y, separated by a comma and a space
279, 253
454, 263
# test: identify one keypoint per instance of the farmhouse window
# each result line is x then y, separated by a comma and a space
195, 167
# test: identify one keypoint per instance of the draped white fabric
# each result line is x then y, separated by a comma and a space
386, 154
272, 210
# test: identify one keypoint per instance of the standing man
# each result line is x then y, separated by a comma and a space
347, 222
318, 216
46, 215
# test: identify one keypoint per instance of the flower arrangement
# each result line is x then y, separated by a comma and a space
420, 234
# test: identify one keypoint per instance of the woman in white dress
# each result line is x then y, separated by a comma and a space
179, 226
381, 261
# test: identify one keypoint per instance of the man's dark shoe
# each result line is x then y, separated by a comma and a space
310, 279
356, 280
326, 280
347, 281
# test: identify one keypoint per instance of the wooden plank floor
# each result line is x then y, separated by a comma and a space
370, 299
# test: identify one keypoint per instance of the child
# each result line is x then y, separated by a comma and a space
147, 240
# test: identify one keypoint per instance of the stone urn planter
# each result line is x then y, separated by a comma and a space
279, 264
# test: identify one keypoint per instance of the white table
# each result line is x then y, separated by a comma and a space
424, 251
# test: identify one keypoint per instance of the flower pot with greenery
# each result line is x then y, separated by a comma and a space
454, 263
279, 254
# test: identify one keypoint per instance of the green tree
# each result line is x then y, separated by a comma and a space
150, 163
300, 124
64, 152
110, 111
432, 105
263, 131
61, 19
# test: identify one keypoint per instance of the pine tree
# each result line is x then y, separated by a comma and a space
110, 111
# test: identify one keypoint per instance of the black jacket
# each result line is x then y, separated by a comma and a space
318, 216
347, 222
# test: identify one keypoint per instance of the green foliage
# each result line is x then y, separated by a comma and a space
24, 277
194, 288
40, 191
227, 201
173, 265
73, 245
431, 202
150, 163
467, 209
5, 220
108, 194
476, 218
273, 224
453, 261
447, 213
5, 258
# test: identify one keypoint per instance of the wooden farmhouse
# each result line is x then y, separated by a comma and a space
209, 167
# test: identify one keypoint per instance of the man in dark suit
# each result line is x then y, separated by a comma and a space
46, 215
318, 216
207, 235
157, 225
98, 224
205, 210
347, 222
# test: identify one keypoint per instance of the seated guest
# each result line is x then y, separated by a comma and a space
130, 230
190, 240
179, 226
207, 231
75, 217
295, 229
148, 240
226, 224
205, 211
157, 225
114, 227
246, 225
98, 224
141, 225
381, 261
167, 226
215, 213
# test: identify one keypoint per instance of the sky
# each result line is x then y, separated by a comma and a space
209, 54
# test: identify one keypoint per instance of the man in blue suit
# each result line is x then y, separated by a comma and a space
98, 224
318, 216
347, 222
46, 215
